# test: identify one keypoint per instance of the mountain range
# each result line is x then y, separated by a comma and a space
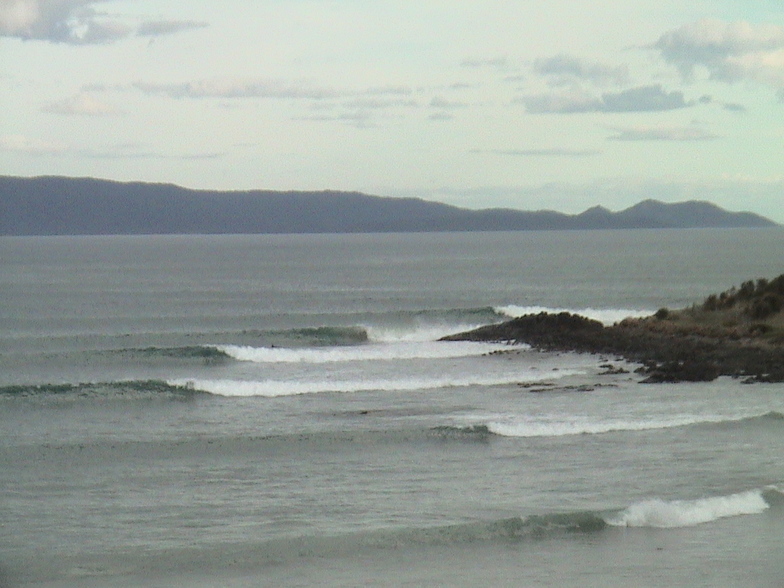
55, 205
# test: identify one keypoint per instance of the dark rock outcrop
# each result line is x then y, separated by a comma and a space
665, 355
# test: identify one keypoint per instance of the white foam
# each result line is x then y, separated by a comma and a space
273, 388
607, 316
418, 333
555, 427
372, 352
687, 513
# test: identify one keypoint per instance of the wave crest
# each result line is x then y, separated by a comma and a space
687, 513
390, 351
607, 316
274, 388
584, 426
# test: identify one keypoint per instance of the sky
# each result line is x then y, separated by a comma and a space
558, 105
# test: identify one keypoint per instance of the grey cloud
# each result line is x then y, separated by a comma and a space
734, 107
441, 102
565, 69
641, 99
156, 28
729, 51
663, 134
390, 90
441, 116
556, 152
493, 62
73, 22
360, 119
237, 89
570, 102
379, 104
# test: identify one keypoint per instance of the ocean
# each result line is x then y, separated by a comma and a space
277, 410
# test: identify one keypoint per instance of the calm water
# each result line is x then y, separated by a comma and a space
277, 410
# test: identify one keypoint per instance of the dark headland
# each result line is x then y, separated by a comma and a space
738, 333
55, 205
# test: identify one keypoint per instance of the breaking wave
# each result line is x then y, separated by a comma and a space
585, 426
389, 351
273, 388
607, 316
686, 513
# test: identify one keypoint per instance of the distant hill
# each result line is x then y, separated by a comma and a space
52, 205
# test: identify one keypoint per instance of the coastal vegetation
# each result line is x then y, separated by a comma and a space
751, 312
737, 333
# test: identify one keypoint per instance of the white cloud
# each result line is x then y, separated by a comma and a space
81, 104
75, 22
728, 51
693, 133
23, 144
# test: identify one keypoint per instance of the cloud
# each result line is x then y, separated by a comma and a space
81, 104
492, 62
156, 28
360, 119
389, 91
379, 103
730, 52
25, 145
229, 88
662, 134
136, 151
443, 103
641, 99
75, 22
555, 152
22, 144
734, 107
566, 69
441, 116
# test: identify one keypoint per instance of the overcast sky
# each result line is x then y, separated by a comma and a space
557, 104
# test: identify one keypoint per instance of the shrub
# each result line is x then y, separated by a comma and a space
765, 306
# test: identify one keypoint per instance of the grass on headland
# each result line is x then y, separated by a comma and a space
753, 312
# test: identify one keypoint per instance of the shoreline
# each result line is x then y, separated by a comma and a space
667, 353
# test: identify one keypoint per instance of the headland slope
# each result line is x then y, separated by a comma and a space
738, 333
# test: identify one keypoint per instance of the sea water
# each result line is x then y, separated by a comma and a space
278, 411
